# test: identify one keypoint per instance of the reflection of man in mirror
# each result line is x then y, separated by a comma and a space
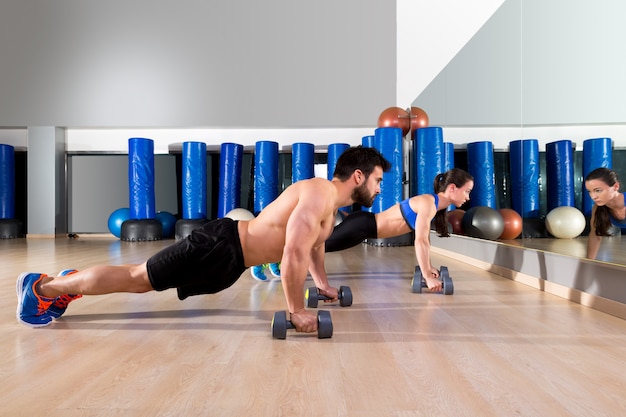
608, 211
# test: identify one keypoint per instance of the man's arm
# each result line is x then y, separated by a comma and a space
302, 231
318, 273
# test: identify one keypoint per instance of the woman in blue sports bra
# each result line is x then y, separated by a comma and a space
416, 213
609, 209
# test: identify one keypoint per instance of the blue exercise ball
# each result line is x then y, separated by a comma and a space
168, 221
116, 219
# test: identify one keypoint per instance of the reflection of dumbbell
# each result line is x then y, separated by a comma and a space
313, 295
280, 324
417, 283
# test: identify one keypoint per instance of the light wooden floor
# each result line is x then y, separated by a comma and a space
494, 348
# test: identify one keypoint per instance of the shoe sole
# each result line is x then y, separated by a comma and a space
19, 289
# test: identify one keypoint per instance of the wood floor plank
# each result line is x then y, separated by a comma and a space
495, 347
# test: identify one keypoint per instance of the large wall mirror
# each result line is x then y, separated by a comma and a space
540, 69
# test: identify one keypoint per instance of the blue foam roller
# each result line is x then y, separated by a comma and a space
265, 174
597, 153
480, 165
334, 151
367, 141
448, 163
448, 156
525, 168
229, 195
388, 141
194, 180
302, 161
141, 178
560, 174
428, 158
7, 182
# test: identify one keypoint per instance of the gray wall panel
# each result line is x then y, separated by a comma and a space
98, 185
481, 85
536, 62
237, 63
46, 195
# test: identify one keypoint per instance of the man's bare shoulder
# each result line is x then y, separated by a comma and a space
314, 182
310, 185
302, 192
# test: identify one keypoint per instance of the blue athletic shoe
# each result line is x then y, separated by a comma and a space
60, 303
32, 309
275, 269
257, 272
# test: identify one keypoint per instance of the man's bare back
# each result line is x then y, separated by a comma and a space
304, 212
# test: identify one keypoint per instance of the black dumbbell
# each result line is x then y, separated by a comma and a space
280, 324
417, 283
313, 295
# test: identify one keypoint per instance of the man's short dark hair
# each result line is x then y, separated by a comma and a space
362, 158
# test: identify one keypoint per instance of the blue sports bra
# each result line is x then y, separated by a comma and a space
617, 222
410, 217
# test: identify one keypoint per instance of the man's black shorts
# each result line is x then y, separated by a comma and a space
209, 260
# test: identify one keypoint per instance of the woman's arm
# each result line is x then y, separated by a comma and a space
425, 213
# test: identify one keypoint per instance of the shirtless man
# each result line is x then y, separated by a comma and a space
290, 230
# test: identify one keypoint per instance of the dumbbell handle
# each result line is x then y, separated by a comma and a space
424, 285
324, 325
315, 292
340, 294
321, 296
447, 287
290, 325
344, 295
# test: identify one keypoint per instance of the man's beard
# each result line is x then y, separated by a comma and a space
361, 196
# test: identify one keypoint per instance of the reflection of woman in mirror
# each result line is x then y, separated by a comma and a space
416, 213
609, 209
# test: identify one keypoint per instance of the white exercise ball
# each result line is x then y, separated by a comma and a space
565, 222
239, 214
